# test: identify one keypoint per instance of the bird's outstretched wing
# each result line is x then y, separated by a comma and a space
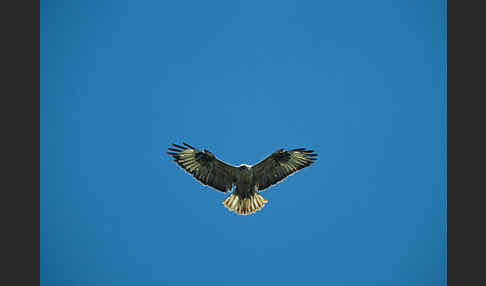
281, 164
204, 166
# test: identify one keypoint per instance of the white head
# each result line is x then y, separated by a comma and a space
244, 166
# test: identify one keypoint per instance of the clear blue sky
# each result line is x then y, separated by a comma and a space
360, 82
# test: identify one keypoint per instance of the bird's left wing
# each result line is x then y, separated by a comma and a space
281, 164
204, 166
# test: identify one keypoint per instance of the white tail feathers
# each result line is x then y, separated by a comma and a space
244, 206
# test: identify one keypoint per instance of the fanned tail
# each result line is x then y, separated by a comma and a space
245, 206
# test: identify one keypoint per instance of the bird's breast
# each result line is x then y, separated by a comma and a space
245, 180
244, 176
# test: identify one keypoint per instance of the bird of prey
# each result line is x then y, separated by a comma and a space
247, 179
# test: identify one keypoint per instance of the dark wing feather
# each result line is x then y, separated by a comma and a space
204, 166
281, 164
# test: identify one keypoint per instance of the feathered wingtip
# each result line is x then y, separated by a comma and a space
245, 206
308, 155
174, 151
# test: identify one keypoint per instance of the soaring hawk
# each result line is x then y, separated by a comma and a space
247, 179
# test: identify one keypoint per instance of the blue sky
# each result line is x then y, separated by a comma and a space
360, 82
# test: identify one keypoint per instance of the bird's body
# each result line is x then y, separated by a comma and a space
245, 199
247, 179
245, 184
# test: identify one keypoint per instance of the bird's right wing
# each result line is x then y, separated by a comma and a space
204, 166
